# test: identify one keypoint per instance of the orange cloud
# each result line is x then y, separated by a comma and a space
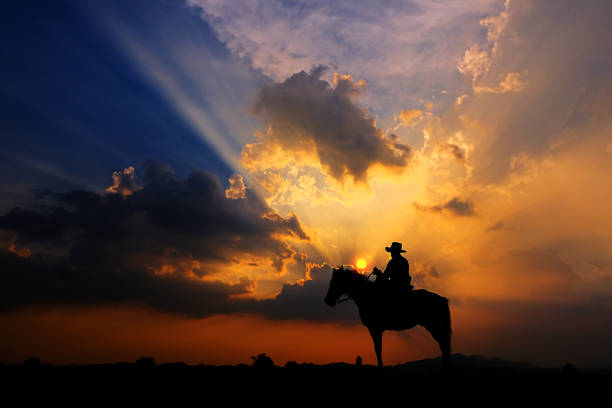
9, 243
407, 116
456, 206
513, 82
124, 182
475, 63
237, 188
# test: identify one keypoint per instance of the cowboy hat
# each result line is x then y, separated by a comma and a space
395, 247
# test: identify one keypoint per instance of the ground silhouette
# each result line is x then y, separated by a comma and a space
472, 378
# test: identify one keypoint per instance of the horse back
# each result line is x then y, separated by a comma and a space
417, 307
423, 295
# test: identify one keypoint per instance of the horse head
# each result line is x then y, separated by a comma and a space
338, 286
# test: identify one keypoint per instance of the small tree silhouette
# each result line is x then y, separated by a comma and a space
291, 365
570, 370
262, 361
145, 362
32, 362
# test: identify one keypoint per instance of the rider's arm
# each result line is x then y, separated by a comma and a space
387, 272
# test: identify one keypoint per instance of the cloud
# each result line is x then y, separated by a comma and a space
171, 244
307, 119
454, 150
499, 225
513, 82
530, 94
124, 182
304, 300
478, 58
423, 274
578, 330
7, 242
237, 189
455, 206
538, 275
475, 63
407, 117
496, 24
402, 49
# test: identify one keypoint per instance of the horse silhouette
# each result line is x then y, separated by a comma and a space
382, 309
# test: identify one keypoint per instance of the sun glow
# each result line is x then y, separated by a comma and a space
361, 263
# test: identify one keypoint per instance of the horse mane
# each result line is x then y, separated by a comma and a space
355, 273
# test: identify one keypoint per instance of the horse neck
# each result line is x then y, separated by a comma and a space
358, 290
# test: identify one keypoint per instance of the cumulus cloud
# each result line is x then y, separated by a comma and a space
237, 188
478, 59
166, 245
513, 82
124, 182
427, 37
304, 300
423, 274
307, 119
496, 24
453, 149
530, 94
456, 206
475, 62
407, 116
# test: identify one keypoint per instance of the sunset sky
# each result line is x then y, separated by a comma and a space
180, 176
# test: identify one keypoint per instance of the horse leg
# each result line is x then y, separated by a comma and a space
377, 339
445, 347
442, 336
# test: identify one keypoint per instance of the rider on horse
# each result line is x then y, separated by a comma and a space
397, 270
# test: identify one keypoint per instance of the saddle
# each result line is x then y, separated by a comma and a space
391, 293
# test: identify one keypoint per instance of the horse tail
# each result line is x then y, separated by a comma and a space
437, 321
446, 316
445, 338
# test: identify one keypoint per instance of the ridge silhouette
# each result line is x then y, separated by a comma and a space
385, 307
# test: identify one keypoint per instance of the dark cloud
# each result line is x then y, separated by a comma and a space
537, 274
305, 116
454, 150
150, 247
522, 264
499, 225
305, 301
549, 333
62, 280
422, 274
456, 206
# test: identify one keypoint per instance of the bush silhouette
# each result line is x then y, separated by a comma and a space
145, 362
32, 362
570, 370
262, 361
291, 365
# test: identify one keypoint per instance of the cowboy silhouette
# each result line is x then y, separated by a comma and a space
397, 272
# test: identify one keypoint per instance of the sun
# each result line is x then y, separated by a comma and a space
361, 263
